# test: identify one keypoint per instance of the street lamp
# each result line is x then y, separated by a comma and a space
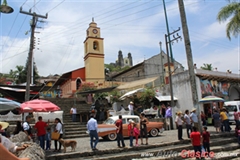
4, 8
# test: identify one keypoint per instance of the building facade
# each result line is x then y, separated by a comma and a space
124, 61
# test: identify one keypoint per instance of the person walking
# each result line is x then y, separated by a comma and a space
27, 128
58, 129
143, 128
216, 120
136, 133
41, 131
188, 123
119, 130
92, 127
206, 139
194, 118
131, 108
196, 140
130, 132
73, 112
179, 123
168, 116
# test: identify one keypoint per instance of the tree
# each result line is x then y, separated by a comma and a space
207, 67
232, 11
20, 74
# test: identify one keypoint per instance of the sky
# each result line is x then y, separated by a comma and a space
135, 26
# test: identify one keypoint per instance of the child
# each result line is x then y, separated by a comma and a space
130, 131
206, 139
48, 139
136, 132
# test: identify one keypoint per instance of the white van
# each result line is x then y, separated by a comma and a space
230, 106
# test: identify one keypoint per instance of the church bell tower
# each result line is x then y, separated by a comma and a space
94, 54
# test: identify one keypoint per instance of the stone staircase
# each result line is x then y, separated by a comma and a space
73, 129
223, 145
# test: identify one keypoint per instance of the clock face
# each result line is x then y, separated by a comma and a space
95, 31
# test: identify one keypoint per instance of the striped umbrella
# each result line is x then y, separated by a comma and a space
211, 99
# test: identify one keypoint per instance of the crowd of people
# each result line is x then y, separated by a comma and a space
221, 123
43, 132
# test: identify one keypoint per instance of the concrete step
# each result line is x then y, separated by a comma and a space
167, 152
71, 136
217, 139
76, 128
75, 132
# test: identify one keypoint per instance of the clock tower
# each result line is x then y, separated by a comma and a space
94, 54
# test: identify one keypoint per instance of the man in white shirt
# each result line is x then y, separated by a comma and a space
27, 128
9, 145
130, 107
194, 118
73, 111
179, 123
188, 123
92, 127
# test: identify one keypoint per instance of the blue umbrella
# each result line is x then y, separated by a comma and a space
8, 105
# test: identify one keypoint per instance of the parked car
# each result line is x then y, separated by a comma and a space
107, 130
230, 106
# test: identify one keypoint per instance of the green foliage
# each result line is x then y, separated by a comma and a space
146, 97
207, 67
115, 95
231, 12
100, 95
112, 68
20, 74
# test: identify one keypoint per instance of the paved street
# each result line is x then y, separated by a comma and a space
83, 144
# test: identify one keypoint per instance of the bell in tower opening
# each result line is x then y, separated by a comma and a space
95, 45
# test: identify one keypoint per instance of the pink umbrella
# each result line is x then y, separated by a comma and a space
39, 105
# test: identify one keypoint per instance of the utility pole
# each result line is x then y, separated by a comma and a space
30, 54
162, 78
169, 39
169, 68
189, 60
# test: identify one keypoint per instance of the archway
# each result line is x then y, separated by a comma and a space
234, 93
78, 83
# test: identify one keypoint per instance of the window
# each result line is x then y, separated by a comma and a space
109, 121
231, 108
138, 73
123, 121
78, 84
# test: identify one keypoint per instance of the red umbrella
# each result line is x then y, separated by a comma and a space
39, 105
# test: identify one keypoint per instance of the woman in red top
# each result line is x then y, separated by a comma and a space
41, 131
196, 142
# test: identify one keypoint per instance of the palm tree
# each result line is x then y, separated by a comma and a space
232, 11
207, 67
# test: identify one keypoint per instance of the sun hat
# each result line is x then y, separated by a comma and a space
194, 109
4, 125
179, 112
131, 102
130, 121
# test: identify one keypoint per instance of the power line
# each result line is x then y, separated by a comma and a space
55, 6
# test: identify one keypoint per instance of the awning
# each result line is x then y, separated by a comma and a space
131, 93
138, 83
165, 98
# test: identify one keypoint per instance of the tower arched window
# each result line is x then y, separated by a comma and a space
78, 84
